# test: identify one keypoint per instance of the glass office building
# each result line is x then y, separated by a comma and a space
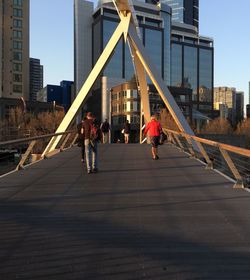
155, 26
192, 67
183, 58
184, 11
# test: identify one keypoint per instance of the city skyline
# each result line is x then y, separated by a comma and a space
231, 41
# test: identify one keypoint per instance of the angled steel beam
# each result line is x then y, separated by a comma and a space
142, 80
121, 29
158, 82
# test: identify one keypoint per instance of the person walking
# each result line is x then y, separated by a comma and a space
154, 129
91, 138
126, 128
80, 140
105, 128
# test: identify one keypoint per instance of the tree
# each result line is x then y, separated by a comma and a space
218, 126
167, 120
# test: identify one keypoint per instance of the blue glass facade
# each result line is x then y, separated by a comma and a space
184, 11
176, 65
205, 75
115, 66
183, 62
192, 68
177, 9
60, 94
155, 37
190, 77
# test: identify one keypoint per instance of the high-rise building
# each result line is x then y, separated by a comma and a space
60, 95
36, 77
155, 28
184, 11
249, 92
183, 58
192, 65
248, 110
14, 53
83, 11
226, 96
239, 106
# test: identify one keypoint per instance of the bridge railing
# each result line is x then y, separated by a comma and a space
230, 160
27, 146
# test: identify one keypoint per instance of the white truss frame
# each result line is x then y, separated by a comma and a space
126, 28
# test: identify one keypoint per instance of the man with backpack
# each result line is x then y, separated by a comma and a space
91, 138
105, 128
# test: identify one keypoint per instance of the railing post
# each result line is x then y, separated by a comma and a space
205, 155
48, 147
74, 140
26, 155
239, 182
178, 141
190, 145
65, 142
172, 139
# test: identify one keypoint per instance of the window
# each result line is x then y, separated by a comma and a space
17, 88
153, 43
176, 65
124, 107
17, 34
190, 70
17, 67
205, 75
17, 45
18, 3
114, 66
17, 23
17, 56
17, 12
17, 78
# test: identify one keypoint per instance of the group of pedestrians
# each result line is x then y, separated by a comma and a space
89, 134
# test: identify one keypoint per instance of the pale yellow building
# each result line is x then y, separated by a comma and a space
14, 44
226, 96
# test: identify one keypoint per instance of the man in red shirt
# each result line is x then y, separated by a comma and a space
154, 130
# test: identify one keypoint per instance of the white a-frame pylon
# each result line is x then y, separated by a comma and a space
125, 28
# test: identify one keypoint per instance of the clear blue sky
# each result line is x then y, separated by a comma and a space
226, 21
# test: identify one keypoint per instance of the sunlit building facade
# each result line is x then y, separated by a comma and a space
14, 49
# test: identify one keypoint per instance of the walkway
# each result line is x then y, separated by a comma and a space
136, 219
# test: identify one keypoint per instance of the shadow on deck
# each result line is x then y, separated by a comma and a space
135, 219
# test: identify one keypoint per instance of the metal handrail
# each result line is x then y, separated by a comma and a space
29, 139
223, 149
229, 148
33, 140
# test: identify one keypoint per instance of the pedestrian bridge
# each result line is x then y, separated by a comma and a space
135, 219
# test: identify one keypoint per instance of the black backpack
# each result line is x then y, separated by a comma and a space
105, 127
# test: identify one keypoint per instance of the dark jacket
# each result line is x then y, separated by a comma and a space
87, 128
126, 128
80, 131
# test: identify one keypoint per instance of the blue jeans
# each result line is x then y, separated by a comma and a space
91, 155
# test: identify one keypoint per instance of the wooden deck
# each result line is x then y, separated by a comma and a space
135, 219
